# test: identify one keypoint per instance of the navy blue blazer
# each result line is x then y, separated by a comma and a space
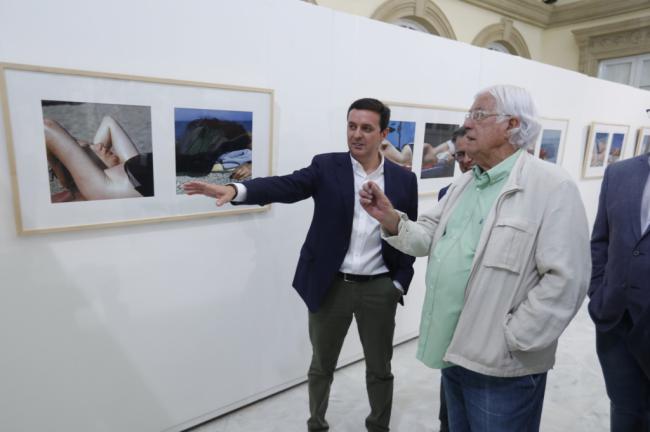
620, 252
329, 180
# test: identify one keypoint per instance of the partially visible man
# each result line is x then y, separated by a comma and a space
345, 269
620, 291
508, 268
465, 163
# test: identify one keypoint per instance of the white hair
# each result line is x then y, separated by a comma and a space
516, 102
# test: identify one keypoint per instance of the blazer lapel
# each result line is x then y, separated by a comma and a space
639, 178
345, 178
389, 188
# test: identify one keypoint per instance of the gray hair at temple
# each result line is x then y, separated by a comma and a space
516, 102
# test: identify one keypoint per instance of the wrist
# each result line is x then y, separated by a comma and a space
391, 222
234, 188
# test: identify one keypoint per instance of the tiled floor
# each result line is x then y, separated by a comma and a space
575, 395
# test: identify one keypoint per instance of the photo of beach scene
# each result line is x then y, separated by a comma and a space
214, 146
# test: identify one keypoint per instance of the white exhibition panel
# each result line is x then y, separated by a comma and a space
160, 326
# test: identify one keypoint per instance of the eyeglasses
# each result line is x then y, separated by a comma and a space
479, 115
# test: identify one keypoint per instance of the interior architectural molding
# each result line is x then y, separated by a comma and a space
621, 39
506, 34
424, 12
537, 13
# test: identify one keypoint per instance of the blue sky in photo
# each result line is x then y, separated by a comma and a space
617, 142
551, 144
403, 133
189, 114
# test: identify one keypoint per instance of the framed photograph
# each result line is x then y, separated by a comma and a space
93, 149
605, 146
398, 145
642, 142
551, 140
431, 154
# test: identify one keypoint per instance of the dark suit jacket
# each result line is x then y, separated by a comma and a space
329, 180
620, 254
442, 192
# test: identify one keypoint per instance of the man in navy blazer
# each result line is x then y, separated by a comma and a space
620, 291
344, 268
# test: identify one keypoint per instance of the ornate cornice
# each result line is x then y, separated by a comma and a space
424, 12
621, 39
537, 13
589, 10
529, 11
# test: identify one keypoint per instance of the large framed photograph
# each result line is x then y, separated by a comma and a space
605, 146
93, 149
550, 143
430, 156
642, 142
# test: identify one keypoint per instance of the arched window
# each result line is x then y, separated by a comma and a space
498, 46
411, 25
502, 37
421, 15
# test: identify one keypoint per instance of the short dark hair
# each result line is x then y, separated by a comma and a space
374, 105
460, 132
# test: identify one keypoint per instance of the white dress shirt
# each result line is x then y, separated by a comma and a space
364, 253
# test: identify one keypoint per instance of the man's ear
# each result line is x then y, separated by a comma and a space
514, 122
384, 133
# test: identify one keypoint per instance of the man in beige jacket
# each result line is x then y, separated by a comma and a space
509, 266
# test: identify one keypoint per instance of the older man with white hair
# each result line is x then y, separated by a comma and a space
509, 266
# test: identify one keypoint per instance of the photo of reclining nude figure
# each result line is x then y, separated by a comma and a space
214, 146
97, 151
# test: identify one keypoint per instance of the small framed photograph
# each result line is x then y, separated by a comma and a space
642, 142
605, 146
92, 149
550, 143
432, 153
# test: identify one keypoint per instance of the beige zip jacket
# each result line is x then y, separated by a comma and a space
529, 275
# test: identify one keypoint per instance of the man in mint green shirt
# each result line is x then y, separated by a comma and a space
509, 266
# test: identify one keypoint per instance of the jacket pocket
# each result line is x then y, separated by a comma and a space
507, 244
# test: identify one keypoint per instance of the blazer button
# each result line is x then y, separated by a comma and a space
636, 253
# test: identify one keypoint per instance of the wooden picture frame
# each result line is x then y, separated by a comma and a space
642, 141
50, 113
434, 166
605, 145
551, 142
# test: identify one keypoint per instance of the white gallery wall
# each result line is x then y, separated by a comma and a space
160, 326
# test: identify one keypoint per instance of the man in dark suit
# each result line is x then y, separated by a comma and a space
620, 291
344, 269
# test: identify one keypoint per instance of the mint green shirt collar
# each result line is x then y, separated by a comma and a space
482, 179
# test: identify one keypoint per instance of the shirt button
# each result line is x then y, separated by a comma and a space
636, 253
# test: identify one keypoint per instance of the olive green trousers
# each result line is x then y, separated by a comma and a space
373, 306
